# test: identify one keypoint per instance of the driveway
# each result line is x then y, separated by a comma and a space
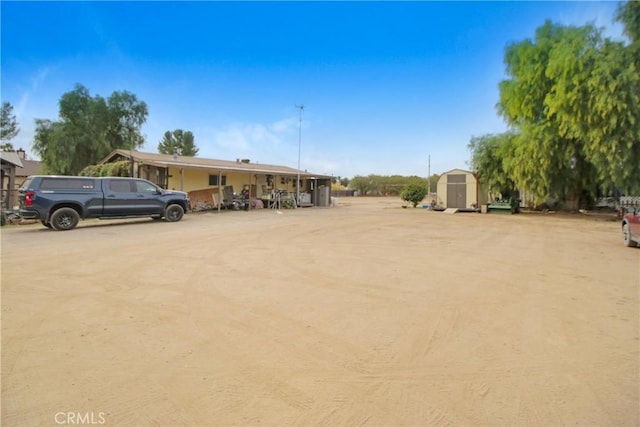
361, 314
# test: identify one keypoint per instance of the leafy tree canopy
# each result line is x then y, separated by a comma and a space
414, 193
90, 127
180, 141
629, 14
490, 159
573, 99
363, 184
8, 126
121, 168
384, 185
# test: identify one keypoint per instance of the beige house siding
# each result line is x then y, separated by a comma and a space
468, 190
185, 179
191, 174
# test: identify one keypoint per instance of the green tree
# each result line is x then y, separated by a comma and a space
414, 193
90, 128
125, 116
179, 140
363, 184
629, 14
489, 155
385, 185
388, 185
572, 98
53, 155
433, 182
7, 146
8, 126
121, 168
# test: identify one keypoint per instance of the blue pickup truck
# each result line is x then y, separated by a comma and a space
59, 202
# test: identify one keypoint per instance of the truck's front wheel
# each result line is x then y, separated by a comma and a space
64, 219
174, 213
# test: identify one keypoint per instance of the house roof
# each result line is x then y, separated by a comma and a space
10, 157
29, 167
168, 160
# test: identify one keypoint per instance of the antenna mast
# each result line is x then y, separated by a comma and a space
301, 107
429, 178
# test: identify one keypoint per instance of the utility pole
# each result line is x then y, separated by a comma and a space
301, 107
429, 178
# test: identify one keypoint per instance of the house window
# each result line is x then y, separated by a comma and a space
213, 180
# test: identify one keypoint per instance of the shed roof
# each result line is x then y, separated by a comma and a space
457, 171
166, 160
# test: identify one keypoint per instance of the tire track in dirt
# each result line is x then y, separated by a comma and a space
358, 315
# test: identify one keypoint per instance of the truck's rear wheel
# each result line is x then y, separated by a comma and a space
174, 213
64, 219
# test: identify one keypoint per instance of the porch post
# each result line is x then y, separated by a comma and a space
220, 195
12, 184
249, 208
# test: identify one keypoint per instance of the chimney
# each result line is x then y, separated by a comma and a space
22, 154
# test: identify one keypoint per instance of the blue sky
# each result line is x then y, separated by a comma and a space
385, 85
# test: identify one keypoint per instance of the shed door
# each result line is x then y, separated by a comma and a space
457, 191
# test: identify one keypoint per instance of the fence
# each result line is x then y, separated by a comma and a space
342, 193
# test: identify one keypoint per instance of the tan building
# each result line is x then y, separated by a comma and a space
461, 189
207, 179
9, 161
15, 170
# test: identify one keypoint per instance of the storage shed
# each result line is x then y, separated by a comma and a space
460, 189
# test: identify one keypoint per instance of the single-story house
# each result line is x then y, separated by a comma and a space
29, 167
14, 176
461, 189
206, 179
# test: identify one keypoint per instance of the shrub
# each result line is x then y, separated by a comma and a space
289, 203
414, 193
91, 170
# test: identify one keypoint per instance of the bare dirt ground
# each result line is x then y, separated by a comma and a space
362, 314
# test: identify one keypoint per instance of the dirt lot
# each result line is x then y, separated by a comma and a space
362, 314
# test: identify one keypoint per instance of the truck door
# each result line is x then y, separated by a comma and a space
148, 197
119, 197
